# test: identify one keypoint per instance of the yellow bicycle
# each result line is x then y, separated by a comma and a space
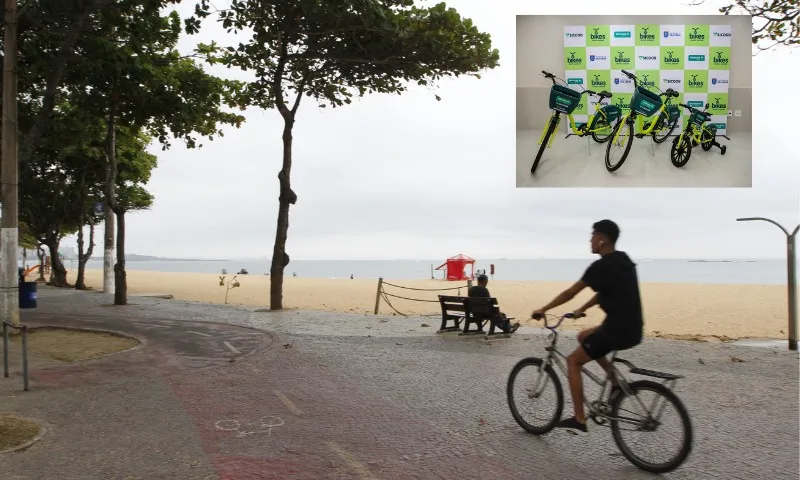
564, 100
643, 104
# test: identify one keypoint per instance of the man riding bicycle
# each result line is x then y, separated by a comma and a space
613, 276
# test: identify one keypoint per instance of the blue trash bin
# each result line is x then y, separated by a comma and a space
27, 295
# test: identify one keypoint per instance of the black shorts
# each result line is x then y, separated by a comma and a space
601, 342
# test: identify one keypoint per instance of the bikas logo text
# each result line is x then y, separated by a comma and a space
574, 61
596, 36
646, 36
696, 37
718, 105
644, 80
598, 83
671, 58
695, 83
718, 59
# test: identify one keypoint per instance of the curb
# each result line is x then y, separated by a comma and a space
42, 432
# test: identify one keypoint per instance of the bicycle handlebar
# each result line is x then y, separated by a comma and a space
560, 319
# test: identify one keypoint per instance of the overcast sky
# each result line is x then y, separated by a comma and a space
409, 177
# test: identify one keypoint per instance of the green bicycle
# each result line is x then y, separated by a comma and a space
643, 104
565, 100
696, 133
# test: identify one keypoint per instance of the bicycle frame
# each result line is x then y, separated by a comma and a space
694, 133
554, 356
633, 116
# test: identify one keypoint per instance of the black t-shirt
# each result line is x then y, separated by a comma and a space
614, 278
478, 291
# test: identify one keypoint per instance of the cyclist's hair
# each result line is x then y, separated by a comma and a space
607, 228
482, 278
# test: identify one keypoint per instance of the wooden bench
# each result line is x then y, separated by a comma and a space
470, 310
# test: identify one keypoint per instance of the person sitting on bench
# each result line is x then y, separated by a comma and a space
480, 291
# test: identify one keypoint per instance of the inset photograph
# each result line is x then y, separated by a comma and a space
634, 101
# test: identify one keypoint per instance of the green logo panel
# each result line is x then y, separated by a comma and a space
696, 35
623, 101
583, 106
575, 58
718, 103
647, 35
671, 58
598, 35
695, 81
719, 58
598, 80
622, 58
649, 79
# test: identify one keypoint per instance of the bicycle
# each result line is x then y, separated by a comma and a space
695, 133
565, 100
644, 103
606, 409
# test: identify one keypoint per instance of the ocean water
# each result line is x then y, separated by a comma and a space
657, 271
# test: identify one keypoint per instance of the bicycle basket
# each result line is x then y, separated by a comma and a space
645, 102
698, 118
564, 99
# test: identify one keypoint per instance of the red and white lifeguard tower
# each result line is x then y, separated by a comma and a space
456, 268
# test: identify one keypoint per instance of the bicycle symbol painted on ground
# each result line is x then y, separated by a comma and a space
263, 426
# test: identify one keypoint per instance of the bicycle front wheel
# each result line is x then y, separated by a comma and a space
535, 396
680, 154
641, 416
551, 127
618, 148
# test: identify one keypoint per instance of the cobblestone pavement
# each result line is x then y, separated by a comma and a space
347, 396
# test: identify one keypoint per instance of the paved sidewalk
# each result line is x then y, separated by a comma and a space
229, 393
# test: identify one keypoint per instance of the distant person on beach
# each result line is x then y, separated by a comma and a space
351, 276
480, 291
613, 276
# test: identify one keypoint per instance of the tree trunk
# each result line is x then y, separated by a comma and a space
83, 257
41, 253
121, 283
59, 275
280, 259
110, 190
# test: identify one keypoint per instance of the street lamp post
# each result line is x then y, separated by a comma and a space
791, 260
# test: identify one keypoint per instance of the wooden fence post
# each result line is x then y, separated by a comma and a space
378, 295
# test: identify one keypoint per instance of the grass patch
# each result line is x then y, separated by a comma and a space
15, 431
66, 346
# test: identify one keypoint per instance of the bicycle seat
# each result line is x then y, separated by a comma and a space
672, 93
604, 94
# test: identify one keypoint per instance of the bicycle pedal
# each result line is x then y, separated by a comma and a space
639, 135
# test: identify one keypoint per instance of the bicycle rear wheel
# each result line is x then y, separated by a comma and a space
529, 386
628, 416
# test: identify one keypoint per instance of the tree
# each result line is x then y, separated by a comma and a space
332, 51
134, 77
775, 22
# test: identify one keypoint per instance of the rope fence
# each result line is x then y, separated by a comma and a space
382, 294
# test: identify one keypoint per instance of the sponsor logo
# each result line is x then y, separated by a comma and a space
668, 34
647, 105
597, 82
574, 81
645, 81
621, 80
697, 58
722, 34
718, 126
695, 103
563, 101
622, 104
573, 35
719, 59
644, 35
596, 36
696, 37
622, 34
574, 61
647, 57
695, 83
671, 58
597, 58
718, 104
675, 81
621, 58
721, 81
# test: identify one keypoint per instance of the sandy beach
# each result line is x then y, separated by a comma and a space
682, 311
